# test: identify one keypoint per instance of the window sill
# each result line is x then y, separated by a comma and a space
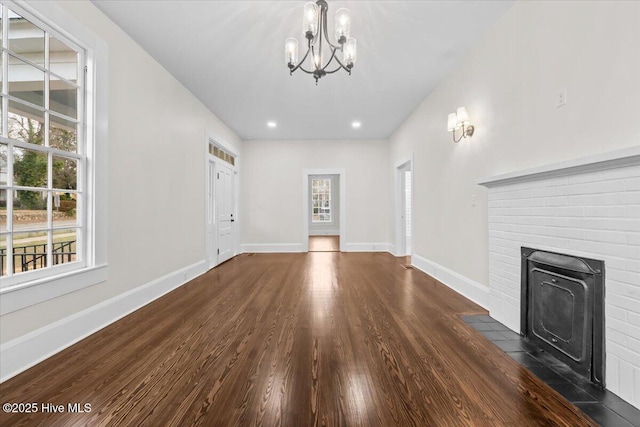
26, 294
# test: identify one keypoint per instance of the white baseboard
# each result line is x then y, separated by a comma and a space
30, 349
369, 247
471, 289
297, 247
271, 247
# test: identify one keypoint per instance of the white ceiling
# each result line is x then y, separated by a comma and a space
230, 54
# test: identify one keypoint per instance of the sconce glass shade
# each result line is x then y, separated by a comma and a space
463, 117
349, 53
291, 51
452, 122
343, 24
310, 19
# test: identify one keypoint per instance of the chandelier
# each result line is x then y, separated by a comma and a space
314, 27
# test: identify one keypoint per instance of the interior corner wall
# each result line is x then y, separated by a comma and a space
509, 83
271, 191
156, 177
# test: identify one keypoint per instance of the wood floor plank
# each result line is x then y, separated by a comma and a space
324, 243
317, 339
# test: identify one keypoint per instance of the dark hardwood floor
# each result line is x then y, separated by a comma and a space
317, 339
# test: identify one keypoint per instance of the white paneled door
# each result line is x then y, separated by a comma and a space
224, 211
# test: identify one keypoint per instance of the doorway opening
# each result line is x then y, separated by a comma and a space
324, 213
404, 190
323, 210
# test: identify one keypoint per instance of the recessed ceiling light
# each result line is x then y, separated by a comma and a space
356, 125
272, 124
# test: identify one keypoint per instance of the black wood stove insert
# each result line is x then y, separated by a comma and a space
562, 309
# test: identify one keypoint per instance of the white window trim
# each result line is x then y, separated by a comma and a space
29, 293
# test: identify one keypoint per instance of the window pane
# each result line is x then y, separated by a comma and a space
63, 134
63, 60
29, 251
64, 247
29, 168
65, 173
3, 255
40, 88
64, 210
25, 123
29, 210
26, 39
63, 97
3, 210
26, 82
4, 171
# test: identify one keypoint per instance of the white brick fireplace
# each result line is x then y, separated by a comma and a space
590, 208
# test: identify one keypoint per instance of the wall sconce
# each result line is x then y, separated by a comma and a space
460, 119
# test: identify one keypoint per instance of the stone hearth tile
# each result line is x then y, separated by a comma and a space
603, 415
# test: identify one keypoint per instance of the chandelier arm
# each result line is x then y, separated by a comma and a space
306, 71
302, 61
315, 38
347, 69
313, 56
334, 71
318, 64
333, 55
326, 35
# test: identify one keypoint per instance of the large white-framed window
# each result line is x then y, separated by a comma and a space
52, 183
321, 208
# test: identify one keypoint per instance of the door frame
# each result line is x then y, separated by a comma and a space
305, 204
211, 231
400, 226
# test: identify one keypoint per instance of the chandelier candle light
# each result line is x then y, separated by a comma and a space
314, 27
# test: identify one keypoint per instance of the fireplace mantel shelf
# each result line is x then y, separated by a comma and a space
625, 157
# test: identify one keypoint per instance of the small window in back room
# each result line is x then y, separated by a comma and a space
321, 200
